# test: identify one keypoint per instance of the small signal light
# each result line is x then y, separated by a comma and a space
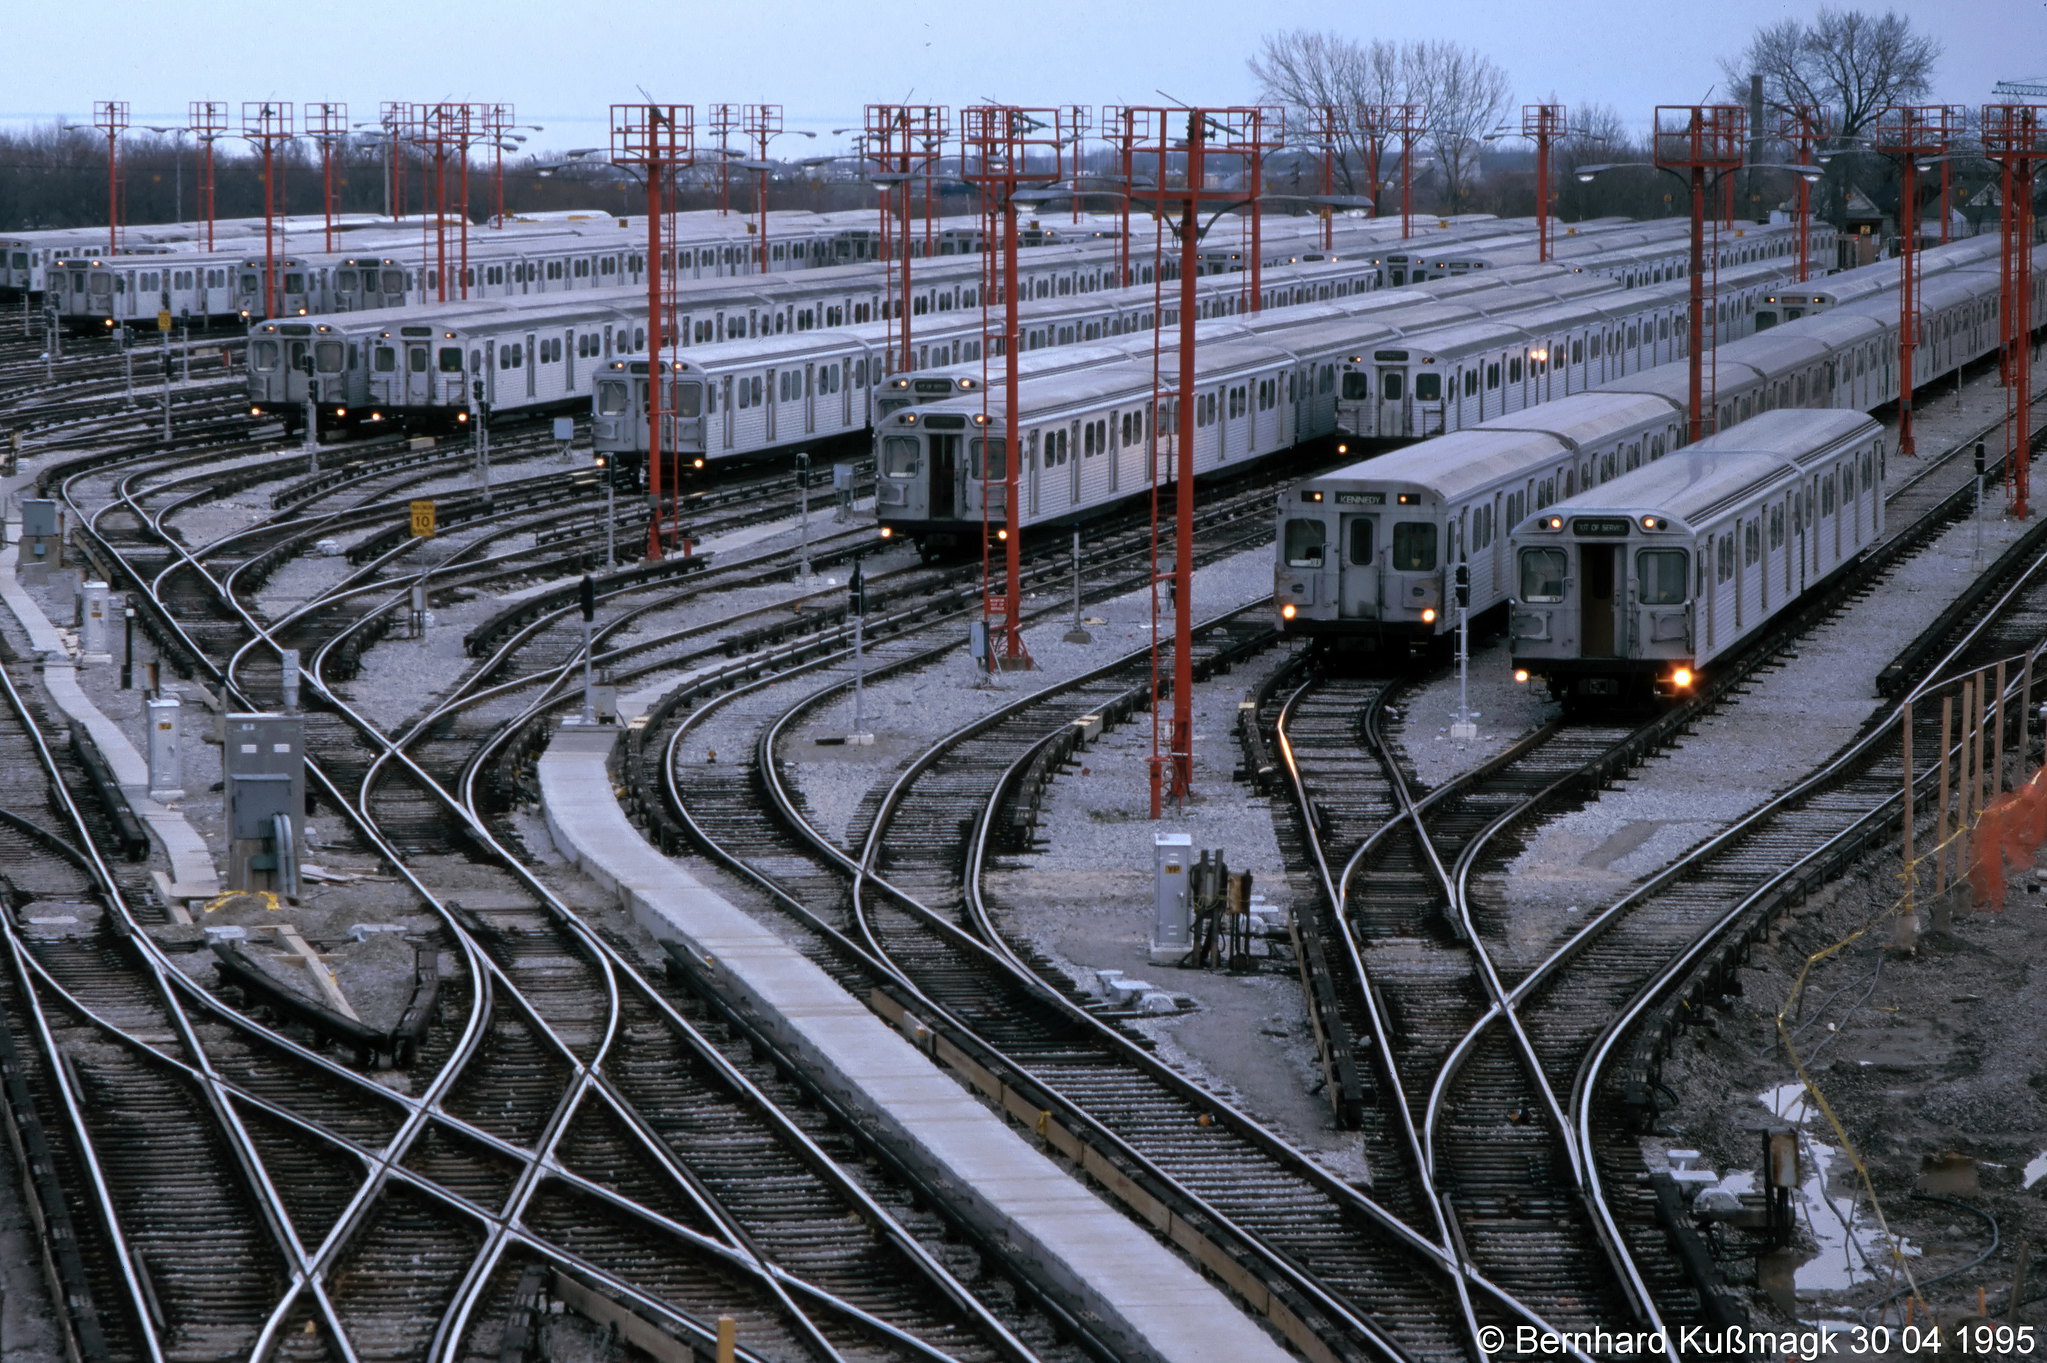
698, 463
1002, 535
1650, 522
1343, 449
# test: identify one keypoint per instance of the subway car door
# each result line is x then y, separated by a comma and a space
809, 399
768, 395
1358, 583
418, 381
1598, 589
945, 463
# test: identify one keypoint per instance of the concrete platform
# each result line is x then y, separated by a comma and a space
1144, 1301
192, 872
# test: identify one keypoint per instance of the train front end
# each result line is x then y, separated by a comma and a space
1602, 604
1362, 564
939, 478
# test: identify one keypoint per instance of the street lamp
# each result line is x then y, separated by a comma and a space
1699, 153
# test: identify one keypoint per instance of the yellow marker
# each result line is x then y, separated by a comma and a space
163, 320
422, 520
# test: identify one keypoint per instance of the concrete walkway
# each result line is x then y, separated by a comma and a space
1143, 1300
192, 871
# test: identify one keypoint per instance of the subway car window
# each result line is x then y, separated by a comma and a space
1304, 543
1542, 574
1660, 574
1414, 546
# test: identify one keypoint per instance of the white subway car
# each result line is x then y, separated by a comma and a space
1638, 586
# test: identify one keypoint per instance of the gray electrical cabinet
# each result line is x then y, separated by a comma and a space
265, 763
42, 532
1172, 934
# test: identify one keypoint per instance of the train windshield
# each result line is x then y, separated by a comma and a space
1428, 387
1542, 574
611, 397
327, 357
1304, 543
1357, 386
1661, 575
899, 457
689, 399
265, 354
1414, 547
995, 455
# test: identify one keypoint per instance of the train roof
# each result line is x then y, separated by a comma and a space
1698, 481
1449, 465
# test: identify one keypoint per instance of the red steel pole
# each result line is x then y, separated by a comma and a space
1182, 752
1695, 372
656, 377
1012, 483
1908, 301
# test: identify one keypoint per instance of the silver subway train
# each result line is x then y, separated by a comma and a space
1636, 587
1844, 359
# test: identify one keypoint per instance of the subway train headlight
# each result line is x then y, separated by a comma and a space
888, 532
1343, 449
1287, 612
462, 418
1682, 678
255, 411
1521, 676
1002, 535
1556, 522
1429, 615
698, 464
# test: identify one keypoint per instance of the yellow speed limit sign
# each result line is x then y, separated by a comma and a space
422, 519
163, 320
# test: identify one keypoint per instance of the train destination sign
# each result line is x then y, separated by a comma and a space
1616, 526
1361, 499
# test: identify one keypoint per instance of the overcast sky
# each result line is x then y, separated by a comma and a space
561, 65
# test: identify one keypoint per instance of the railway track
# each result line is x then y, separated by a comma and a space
583, 1115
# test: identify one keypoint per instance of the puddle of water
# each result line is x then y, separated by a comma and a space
1852, 1248
2036, 1168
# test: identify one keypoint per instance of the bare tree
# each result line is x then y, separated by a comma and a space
1855, 63
1461, 93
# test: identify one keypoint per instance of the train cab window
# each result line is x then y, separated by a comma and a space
347, 279
1596, 344
1660, 577
1414, 546
1470, 382
265, 354
451, 359
1361, 546
1392, 385
991, 451
1428, 387
689, 399
1723, 559
611, 397
1777, 526
327, 356
899, 457
387, 360
294, 283
1356, 386
1577, 350
416, 359
1305, 541
1542, 575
